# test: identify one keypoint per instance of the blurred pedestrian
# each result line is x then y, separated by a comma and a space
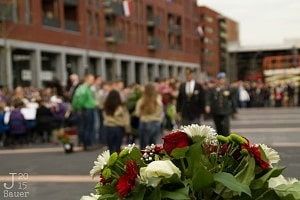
190, 101
278, 95
219, 103
44, 118
291, 90
149, 109
244, 97
85, 103
3, 127
116, 121
17, 124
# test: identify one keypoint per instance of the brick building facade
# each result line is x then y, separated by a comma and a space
218, 31
45, 39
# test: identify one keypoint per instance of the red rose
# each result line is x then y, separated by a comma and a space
175, 140
158, 149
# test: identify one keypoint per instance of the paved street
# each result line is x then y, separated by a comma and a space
54, 175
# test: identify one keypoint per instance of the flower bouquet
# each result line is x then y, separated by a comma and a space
193, 163
65, 139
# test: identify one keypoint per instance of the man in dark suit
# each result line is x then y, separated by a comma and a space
190, 102
220, 102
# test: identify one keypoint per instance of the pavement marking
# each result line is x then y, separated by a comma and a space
285, 144
292, 130
36, 150
260, 121
54, 179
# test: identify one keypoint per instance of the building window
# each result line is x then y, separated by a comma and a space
9, 11
71, 15
209, 30
50, 9
209, 19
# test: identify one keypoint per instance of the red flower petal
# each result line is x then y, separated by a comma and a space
124, 186
255, 152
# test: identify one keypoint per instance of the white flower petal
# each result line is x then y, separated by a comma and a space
157, 170
281, 180
102, 160
271, 154
203, 131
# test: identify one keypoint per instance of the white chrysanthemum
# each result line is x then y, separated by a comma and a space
102, 160
91, 197
203, 131
271, 154
281, 180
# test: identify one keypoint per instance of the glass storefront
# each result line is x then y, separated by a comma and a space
21, 62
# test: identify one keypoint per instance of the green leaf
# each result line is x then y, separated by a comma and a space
229, 181
108, 197
138, 193
196, 156
247, 174
155, 194
202, 178
105, 189
135, 154
179, 152
259, 183
179, 194
262, 194
198, 139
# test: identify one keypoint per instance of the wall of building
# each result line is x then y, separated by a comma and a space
96, 36
210, 48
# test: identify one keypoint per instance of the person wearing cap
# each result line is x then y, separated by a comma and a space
190, 101
219, 103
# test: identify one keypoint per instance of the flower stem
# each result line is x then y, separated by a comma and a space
240, 164
263, 194
183, 165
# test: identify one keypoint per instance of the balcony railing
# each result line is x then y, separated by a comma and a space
113, 8
53, 22
153, 21
113, 36
71, 25
175, 29
153, 43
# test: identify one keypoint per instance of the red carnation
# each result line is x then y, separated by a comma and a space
175, 140
126, 182
124, 186
131, 169
255, 152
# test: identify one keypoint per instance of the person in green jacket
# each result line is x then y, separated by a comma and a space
84, 103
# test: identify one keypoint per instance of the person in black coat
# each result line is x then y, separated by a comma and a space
190, 101
220, 103
45, 121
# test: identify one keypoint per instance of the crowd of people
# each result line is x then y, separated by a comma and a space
109, 113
